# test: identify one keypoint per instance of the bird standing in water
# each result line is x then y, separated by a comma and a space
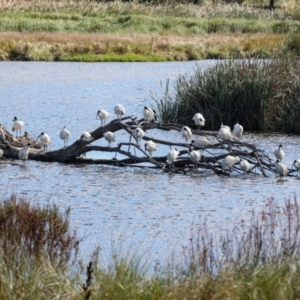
23, 153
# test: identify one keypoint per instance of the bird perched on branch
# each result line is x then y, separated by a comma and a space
296, 163
45, 140
186, 132
201, 143
172, 156
229, 161
199, 120
281, 169
150, 146
23, 153
65, 135
119, 110
279, 154
138, 134
238, 130
86, 136
195, 156
245, 166
149, 114
224, 133
225, 127
110, 137
17, 125
103, 115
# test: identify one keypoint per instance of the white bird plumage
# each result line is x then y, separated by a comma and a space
138, 134
65, 135
172, 156
186, 133
1, 153
149, 114
86, 136
245, 166
150, 146
226, 127
45, 140
103, 115
195, 156
119, 110
238, 130
281, 169
199, 120
224, 134
109, 137
279, 154
23, 153
229, 161
201, 143
296, 163
17, 125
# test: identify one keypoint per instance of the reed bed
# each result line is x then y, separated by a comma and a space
257, 258
260, 94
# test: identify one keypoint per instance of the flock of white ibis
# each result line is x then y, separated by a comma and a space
224, 133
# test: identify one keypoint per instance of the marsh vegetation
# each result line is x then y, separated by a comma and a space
131, 31
260, 94
255, 259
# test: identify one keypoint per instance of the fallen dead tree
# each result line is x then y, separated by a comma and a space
211, 156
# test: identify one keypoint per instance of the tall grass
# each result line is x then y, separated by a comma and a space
28, 230
255, 258
260, 94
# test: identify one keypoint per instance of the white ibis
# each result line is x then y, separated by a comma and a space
119, 110
186, 132
229, 161
150, 146
65, 135
23, 153
279, 154
109, 137
103, 115
238, 130
281, 169
17, 125
45, 140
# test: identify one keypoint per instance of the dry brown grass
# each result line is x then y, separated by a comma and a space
270, 40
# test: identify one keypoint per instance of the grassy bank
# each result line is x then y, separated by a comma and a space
91, 31
255, 259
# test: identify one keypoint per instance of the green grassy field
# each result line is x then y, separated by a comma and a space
116, 31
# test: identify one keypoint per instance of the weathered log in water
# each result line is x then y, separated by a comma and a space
211, 157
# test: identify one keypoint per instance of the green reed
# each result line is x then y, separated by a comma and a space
260, 94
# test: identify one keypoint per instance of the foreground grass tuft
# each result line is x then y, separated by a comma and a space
256, 258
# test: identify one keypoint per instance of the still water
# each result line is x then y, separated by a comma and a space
138, 208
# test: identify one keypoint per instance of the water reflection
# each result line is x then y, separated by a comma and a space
143, 208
